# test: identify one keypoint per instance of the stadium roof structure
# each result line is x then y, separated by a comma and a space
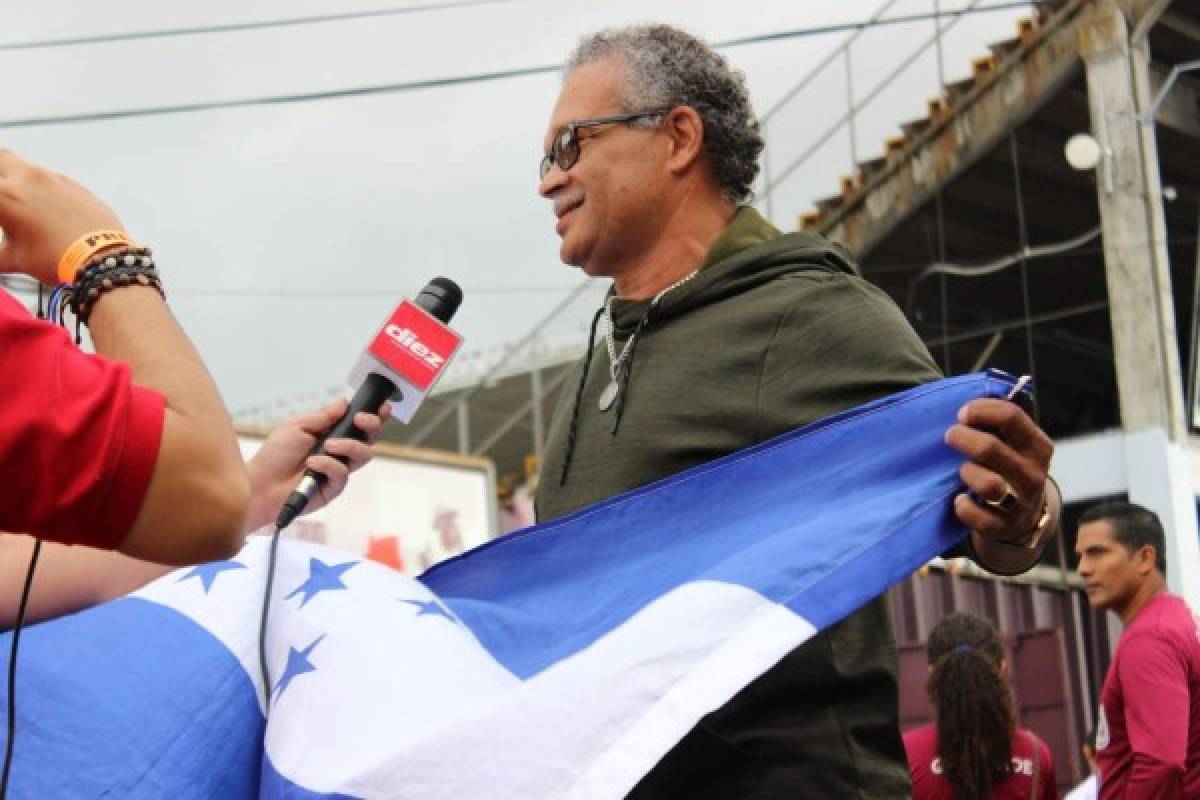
978, 185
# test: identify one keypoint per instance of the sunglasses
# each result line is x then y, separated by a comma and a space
564, 152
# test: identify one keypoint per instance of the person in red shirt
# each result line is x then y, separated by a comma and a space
1148, 732
129, 450
974, 750
72, 578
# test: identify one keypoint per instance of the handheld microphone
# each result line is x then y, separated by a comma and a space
403, 361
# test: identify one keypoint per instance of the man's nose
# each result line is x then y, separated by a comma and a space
552, 181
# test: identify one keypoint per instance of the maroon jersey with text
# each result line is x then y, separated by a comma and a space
929, 783
1148, 736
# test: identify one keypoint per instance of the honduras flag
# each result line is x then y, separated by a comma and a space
562, 661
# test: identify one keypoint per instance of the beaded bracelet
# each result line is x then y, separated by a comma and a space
132, 266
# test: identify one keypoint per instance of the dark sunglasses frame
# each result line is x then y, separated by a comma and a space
564, 152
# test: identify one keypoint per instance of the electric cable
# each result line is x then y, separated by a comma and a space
943, 284
1023, 240
233, 27
345, 16
478, 77
325, 293
992, 267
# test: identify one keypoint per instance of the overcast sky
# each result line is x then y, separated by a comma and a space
287, 232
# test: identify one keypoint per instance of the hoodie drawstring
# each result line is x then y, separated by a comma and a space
587, 363
627, 368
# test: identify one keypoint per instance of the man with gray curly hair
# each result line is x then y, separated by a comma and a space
700, 79
719, 333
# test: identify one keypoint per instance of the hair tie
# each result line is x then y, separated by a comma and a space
962, 648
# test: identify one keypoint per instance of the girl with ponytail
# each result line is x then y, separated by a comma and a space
974, 751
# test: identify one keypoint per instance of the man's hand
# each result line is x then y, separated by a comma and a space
1008, 461
277, 466
42, 213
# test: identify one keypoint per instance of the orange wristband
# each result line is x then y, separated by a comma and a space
84, 248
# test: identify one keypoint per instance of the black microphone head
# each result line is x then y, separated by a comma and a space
441, 297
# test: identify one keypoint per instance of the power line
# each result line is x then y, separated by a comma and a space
25, 284
479, 77
357, 293
360, 91
845, 27
107, 38
895, 268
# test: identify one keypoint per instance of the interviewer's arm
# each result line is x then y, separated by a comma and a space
70, 579
198, 492
198, 495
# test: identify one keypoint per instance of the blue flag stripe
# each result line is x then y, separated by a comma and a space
545, 593
127, 700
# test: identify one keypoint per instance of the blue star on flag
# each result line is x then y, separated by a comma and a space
207, 573
321, 577
297, 665
431, 607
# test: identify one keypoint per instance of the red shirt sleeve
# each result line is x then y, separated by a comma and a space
1048, 780
1154, 683
78, 441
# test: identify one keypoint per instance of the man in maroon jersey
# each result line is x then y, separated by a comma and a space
1148, 736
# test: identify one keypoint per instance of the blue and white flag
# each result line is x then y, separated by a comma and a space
562, 661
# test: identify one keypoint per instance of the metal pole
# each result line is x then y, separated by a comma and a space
768, 184
424, 433
807, 79
1013, 324
878, 89
536, 393
851, 111
766, 177
464, 430
988, 349
1189, 408
937, 40
517, 415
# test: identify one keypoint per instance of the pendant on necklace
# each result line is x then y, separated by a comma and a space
607, 396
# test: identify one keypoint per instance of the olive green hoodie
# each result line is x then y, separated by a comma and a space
774, 332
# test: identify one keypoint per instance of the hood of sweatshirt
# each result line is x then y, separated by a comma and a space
751, 251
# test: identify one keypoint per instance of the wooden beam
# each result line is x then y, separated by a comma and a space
1014, 91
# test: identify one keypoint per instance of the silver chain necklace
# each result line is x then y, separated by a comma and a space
615, 361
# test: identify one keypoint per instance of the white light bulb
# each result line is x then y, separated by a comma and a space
1082, 151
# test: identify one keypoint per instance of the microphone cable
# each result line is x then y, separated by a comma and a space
262, 625
440, 300
11, 713
12, 668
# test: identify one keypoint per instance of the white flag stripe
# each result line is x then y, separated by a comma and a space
770, 633
607, 702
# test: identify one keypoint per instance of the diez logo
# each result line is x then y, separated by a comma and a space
406, 338
414, 345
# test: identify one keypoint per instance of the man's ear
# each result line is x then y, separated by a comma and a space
686, 132
1146, 560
